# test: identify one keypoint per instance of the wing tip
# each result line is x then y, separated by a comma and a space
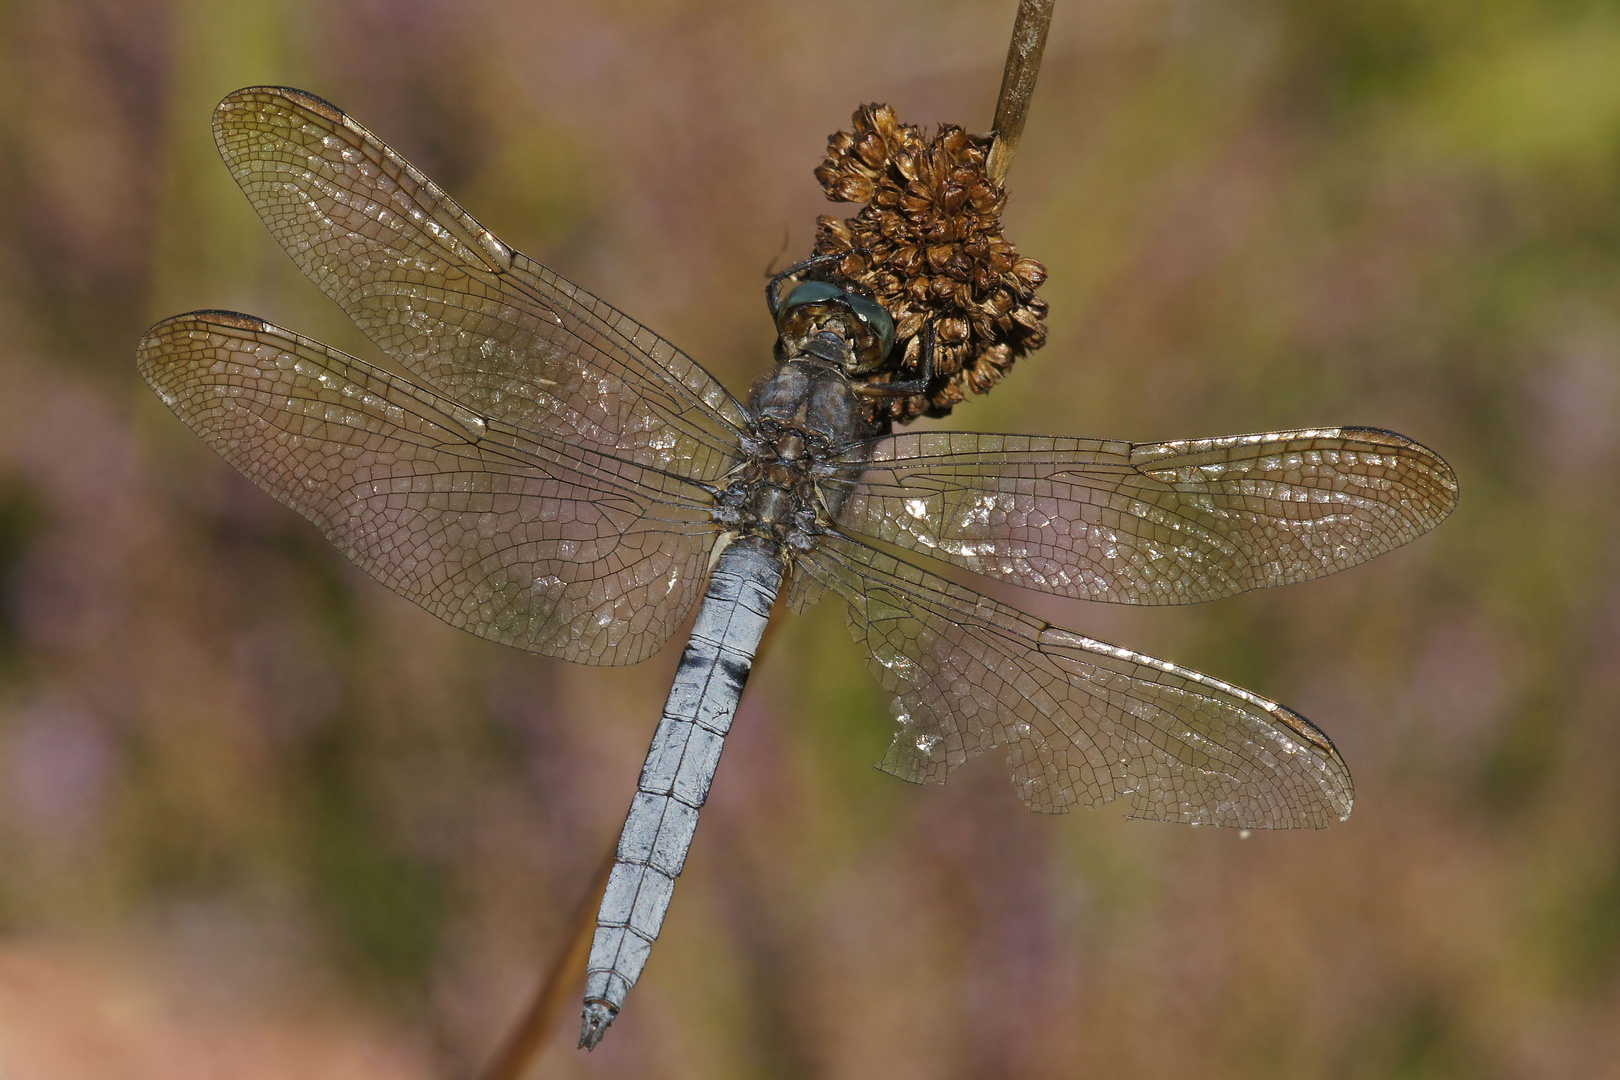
301, 99
1444, 490
151, 351
1385, 437
234, 320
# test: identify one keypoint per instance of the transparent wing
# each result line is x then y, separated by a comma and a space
1084, 722
479, 322
1150, 523
521, 538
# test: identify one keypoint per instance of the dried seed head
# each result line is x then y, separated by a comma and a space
928, 245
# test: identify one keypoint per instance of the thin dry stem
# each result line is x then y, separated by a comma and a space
525, 1043
1018, 81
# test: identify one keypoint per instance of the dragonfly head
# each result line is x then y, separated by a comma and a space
843, 328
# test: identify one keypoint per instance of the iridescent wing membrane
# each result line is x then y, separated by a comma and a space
1150, 523
1086, 722
550, 487
521, 538
546, 489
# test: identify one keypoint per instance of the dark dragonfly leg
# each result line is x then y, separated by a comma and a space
919, 383
675, 779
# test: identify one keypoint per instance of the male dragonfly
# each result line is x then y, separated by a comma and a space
556, 477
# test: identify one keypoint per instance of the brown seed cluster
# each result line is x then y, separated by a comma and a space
928, 245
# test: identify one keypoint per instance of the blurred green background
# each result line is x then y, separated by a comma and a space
261, 818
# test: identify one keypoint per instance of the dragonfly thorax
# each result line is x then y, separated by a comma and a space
816, 398
772, 494
802, 413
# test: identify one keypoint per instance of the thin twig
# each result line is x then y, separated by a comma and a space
1018, 80
523, 1046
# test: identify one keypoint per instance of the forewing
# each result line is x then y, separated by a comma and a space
482, 324
1084, 722
1150, 523
520, 538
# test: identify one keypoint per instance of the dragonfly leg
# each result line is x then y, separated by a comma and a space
907, 387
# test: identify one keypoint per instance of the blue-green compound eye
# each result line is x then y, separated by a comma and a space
810, 292
872, 314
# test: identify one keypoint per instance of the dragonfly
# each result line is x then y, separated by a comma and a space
554, 476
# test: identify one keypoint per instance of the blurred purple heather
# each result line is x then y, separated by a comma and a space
266, 819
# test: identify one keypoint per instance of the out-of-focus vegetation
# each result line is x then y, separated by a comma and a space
258, 817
